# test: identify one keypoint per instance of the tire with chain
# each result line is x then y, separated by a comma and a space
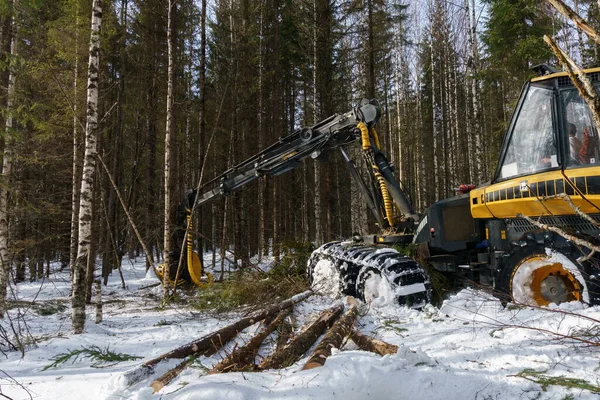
544, 269
358, 269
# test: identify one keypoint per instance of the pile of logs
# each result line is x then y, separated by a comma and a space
336, 323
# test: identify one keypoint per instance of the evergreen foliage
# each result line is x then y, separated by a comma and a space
272, 67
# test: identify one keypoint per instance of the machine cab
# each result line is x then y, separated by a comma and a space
551, 147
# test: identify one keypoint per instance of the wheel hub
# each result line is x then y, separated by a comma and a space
554, 290
552, 283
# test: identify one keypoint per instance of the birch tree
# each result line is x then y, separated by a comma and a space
87, 180
7, 163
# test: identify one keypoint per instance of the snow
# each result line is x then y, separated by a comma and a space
326, 278
470, 348
377, 291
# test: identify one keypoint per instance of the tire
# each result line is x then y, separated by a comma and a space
545, 270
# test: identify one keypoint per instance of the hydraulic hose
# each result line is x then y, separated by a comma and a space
364, 136
387, 200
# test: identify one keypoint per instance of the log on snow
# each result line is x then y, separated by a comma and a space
368, 343
332, 339
242, 357
301, 343
170, 375
285, 332
212, 342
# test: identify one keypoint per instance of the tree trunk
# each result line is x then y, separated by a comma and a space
76, 181
202, 153
169, 162
300, 344
373, 345
334, 338
7, 162
285, 331
89, 167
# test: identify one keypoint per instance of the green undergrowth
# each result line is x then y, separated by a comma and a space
544, 380
94, 353
251, 287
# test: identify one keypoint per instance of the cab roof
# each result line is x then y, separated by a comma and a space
561, 74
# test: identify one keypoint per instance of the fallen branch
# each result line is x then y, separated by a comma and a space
577, 210
580, 80
129, 217
576, 18
572, 238
171, 374
211, 343
371, 344
242, 357
301, 343
332, 339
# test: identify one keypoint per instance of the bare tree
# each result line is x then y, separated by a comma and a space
89, 168
7, 165
169, 136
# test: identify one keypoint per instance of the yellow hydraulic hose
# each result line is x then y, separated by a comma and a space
190, 244
387, 200
364, 136
375, 138
385, 194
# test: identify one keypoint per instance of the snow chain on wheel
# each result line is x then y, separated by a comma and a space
357, 268
545, 269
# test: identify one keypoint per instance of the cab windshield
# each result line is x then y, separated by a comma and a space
532, 144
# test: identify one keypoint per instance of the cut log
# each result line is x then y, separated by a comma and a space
242, 357
211, 343
285, 332
368, 343
301, 343
170, 374
332, 339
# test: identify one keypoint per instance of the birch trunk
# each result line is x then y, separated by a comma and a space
168, 220
87, 180
7, 166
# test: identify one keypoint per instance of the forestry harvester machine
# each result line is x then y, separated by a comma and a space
502, 234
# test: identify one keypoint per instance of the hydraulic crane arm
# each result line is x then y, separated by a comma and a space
289, 151
382, 192
316, 142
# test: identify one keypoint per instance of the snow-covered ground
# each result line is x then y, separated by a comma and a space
470, 348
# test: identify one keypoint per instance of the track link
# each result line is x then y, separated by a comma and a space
378, 275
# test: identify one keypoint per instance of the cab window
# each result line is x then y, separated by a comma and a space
581, 137
532, 144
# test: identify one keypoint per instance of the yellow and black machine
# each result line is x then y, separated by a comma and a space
550, 155
548, 171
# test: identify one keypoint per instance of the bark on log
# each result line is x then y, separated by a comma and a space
211, 343
332, 339
242, 357
164, 380
368, 343
285, 332
301, 343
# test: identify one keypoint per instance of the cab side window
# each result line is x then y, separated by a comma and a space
582, 141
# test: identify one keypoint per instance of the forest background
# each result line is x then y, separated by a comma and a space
244, 73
